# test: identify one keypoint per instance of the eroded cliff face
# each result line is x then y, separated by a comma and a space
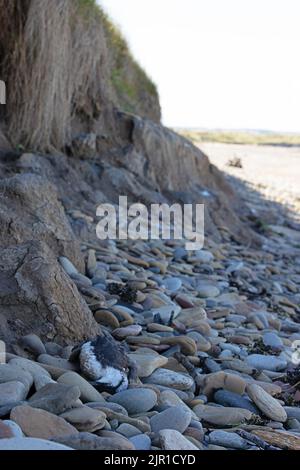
48, 209
66, 146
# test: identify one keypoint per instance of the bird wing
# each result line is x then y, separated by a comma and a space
110, 353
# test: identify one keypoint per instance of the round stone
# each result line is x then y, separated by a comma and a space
180, 253
269, 387
156, 328
35, 369
33, 344
85, 419
228, 439
55, 398
261, 362
68, 266
12, 392
269, 406
41, 381
293, 412
169, 398
128, 430
222, 416
5, 431
138, 285
184, 301
170, 379
12, 373
53, 349
135, 400
273, 340
81, 280
191, 317
141, 442
195, 433
88, 441
231, 399
66, 352
207, 291
147, 363
226, 354
56, 362
204, 256
172, 284
187, 344
230, 347
109, 406
15, 430
171, 439
293, 424
132, 330
27, 443
41, 424
87, 392
239, 366
175, 417
202, 343
216, 380
104, 317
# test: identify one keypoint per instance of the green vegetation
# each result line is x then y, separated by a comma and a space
88, 8
88, 4
127, 76
128, 79
242, 137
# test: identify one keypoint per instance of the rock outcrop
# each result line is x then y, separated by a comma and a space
30, 210
37, 296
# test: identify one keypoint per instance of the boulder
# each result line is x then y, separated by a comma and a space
37, 296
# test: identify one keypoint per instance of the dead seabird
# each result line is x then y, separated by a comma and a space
104, 362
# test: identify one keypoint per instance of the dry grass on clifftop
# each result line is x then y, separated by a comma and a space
60, 60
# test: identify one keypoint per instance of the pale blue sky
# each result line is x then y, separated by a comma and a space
218, 63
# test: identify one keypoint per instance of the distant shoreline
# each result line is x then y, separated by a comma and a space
242, 137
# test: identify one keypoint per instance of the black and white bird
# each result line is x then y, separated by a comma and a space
105, 363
